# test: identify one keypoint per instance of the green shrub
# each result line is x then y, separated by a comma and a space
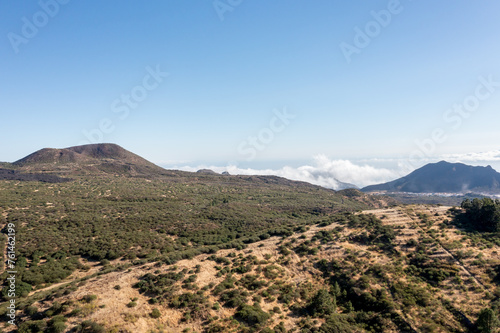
57, 324
89, 326
155, 313
31, 310
57, 327
32, 326
337, 324
89, 298
234, 298
252, 315
75, 312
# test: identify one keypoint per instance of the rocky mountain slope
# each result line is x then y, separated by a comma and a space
444, 177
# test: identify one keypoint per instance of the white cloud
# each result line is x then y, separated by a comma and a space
329, 173
323, 171
487, 156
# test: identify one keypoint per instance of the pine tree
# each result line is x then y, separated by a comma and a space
322, 304
487, 322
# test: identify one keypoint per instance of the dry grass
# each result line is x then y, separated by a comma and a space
110, 307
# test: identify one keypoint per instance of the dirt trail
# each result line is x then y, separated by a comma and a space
400, 216
464, 269
77, 275
111, 305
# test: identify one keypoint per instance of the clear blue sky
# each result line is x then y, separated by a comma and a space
227, 76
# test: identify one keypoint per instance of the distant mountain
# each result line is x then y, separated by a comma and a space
82, 154
93, 158
344, 186
105, 163
50, 164
207, 171
444, 177
111, 159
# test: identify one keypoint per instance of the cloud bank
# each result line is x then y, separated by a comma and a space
487, 156
335, 173
323, 171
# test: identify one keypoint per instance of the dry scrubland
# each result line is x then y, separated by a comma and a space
108, 242
280, 276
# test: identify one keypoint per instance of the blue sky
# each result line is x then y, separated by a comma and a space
229, 78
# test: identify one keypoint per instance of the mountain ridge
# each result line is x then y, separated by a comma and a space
110, 158
81, 154
98, 158
444, 177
